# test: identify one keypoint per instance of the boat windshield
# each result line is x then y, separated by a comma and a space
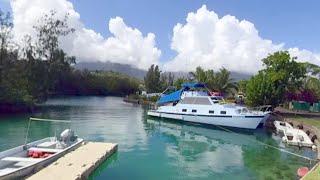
195, 100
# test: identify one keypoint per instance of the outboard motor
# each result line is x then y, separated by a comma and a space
66, 137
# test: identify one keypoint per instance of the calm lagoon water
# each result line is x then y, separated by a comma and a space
157, 148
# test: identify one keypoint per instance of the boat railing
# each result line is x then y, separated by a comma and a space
264, 108
41, 120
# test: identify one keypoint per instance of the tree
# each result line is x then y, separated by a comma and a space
12, 80
242, 85
166, 80
152, 79
5, 39
281, 74
222, 81
179, 81
57, 63
40, 67
219, 81
313, 84
285, 72
312, 69
259, 90
49, 29
199, 75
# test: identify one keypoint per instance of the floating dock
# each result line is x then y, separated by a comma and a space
77, 164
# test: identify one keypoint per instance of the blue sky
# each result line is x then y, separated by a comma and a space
295, 23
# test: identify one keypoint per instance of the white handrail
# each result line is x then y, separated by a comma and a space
40, 119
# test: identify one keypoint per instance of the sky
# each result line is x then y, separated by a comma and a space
182, 34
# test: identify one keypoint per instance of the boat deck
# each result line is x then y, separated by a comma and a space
77, 164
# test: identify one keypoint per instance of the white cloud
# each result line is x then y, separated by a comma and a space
204, 40
212, 42
126, 45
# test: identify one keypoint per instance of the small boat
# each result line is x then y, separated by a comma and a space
282, 126
24, 160
197, 106
297, 137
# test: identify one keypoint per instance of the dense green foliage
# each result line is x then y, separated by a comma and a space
242, 85
259, 90
281, 74
152, 79
179, 81
40, 68
218, 81
156, 81
97, 83
166, 80
312, 84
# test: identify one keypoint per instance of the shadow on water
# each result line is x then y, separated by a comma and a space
108, 163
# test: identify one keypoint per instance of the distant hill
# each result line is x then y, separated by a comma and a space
236, 76
135, 72
109, 66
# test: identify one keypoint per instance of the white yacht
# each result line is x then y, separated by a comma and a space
197, 106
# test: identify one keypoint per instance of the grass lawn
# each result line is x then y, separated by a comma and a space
314, 175
313, 121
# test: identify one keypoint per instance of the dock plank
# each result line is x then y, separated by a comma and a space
77, 164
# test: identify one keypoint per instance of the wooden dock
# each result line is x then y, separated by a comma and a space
77, 164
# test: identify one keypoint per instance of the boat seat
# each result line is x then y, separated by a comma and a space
21, 159
47, 144
45, 150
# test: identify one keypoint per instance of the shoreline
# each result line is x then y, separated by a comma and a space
311, 123
20, 108
7, 109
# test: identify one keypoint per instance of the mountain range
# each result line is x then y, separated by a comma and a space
138, 73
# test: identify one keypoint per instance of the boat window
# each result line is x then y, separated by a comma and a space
202, 101
194, 110
196, 100
244, 110
184, 110
211, 112
187, 100
223, 112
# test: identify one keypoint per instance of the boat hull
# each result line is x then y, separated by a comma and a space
247, 122
29, 170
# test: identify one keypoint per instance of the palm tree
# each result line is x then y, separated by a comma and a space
199, 75
222, 81
313, 84
312, 68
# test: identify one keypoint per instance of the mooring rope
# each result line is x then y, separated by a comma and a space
270, 146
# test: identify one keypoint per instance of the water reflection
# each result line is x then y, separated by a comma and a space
207, 151
157, 148
102, 119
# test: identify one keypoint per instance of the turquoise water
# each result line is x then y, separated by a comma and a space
155, 148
